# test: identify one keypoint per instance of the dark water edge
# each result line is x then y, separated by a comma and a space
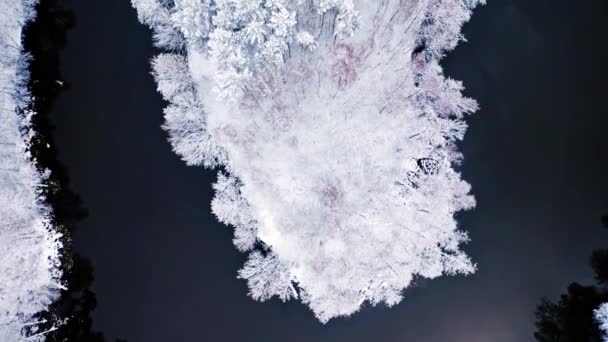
536, 156
44, 40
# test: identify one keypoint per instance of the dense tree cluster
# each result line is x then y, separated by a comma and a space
336, 130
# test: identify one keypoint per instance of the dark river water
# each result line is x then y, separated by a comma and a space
535, 154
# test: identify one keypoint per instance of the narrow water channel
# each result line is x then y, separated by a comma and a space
535, 154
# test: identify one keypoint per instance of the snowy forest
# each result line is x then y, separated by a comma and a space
342, 189
336, 154
30, 272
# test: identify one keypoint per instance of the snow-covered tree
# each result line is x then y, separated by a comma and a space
601, 316
337, 131
156, 13
231, 208
267, 277
29, 245
184, 117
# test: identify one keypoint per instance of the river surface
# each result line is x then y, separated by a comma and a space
535, 154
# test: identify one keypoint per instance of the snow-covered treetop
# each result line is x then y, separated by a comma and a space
242, 37
337, 129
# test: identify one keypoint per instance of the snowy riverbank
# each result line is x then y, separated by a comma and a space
29, 245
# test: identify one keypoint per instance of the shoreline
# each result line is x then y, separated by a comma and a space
68, 317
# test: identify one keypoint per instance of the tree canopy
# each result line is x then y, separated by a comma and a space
336, 134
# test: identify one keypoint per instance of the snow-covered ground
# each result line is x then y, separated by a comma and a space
29, 246
337, 131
